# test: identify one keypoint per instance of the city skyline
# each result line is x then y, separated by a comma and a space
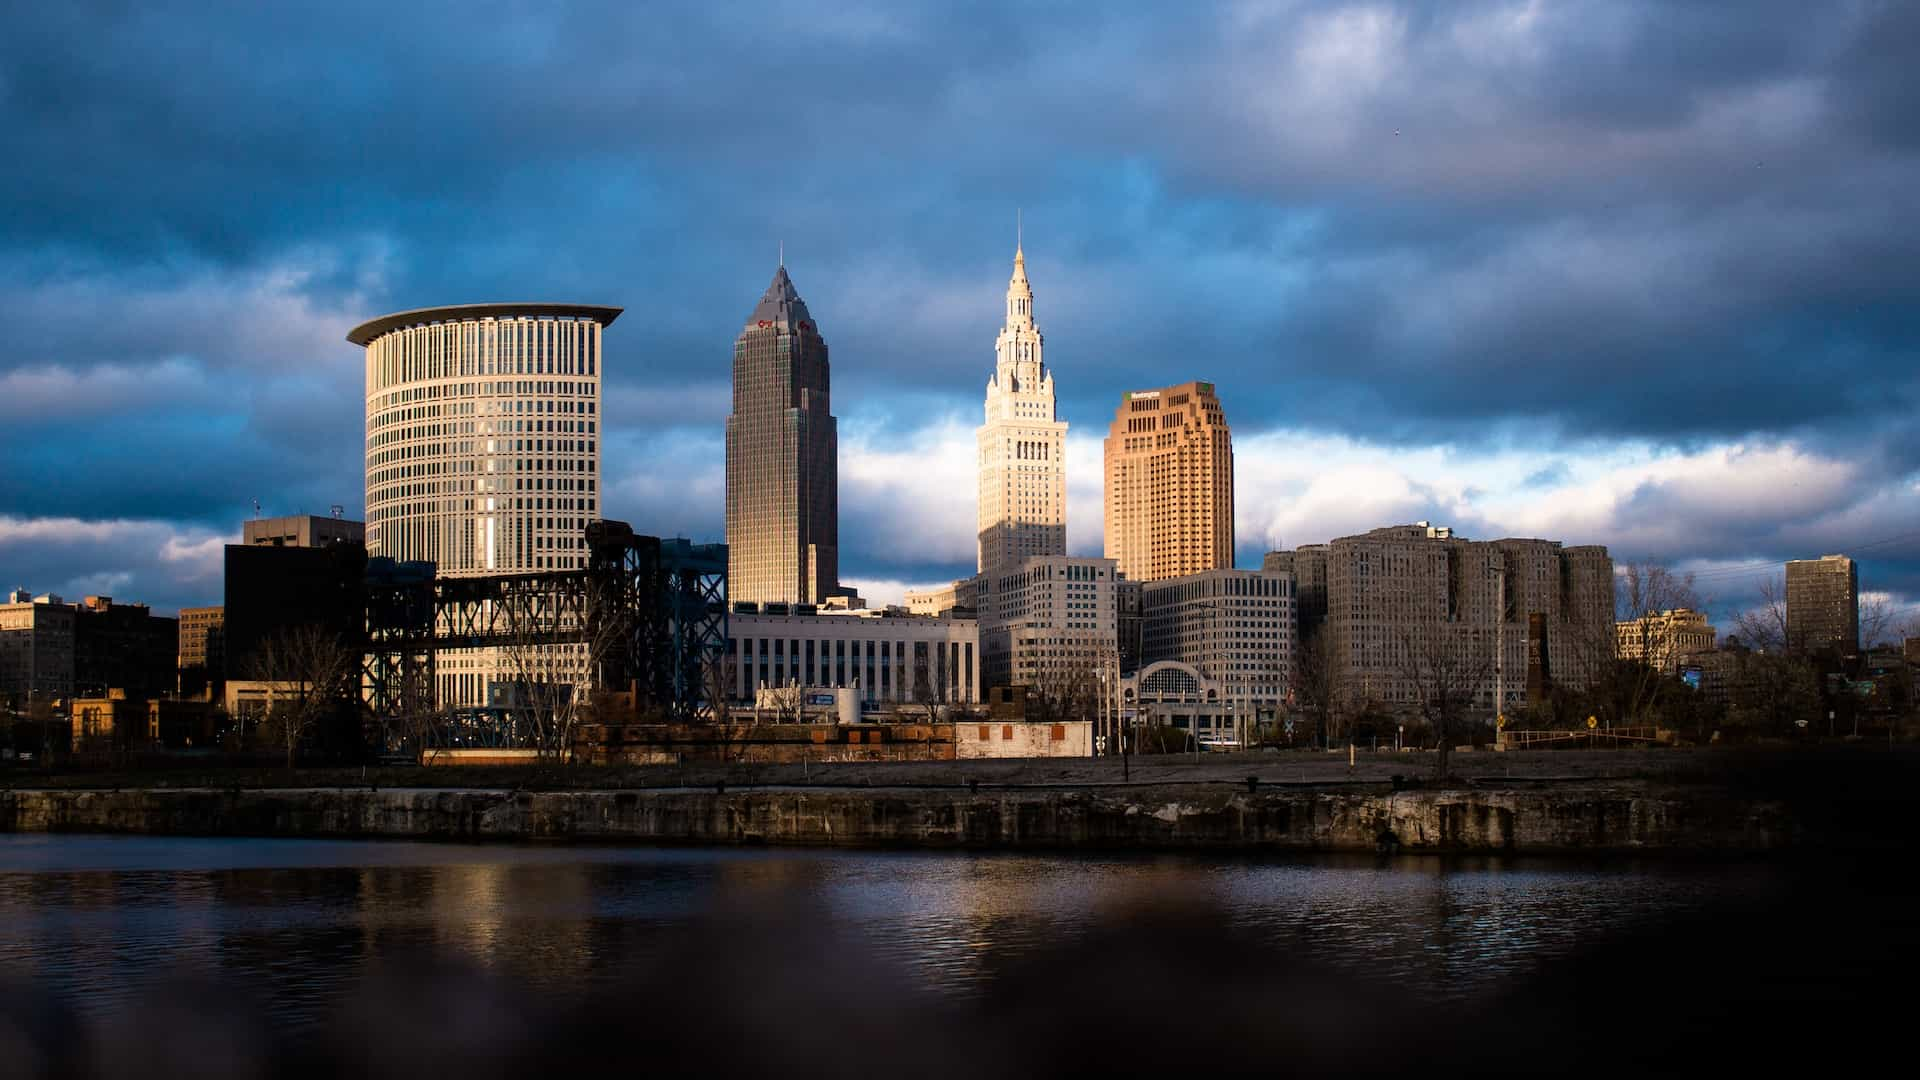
1411, 324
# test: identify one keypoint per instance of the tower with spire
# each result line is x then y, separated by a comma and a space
783, 498
1022, 507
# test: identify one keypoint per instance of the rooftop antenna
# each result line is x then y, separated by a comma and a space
1018, 229
338, 511
783, 253
256, 508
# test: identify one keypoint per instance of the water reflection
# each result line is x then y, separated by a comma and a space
296, 925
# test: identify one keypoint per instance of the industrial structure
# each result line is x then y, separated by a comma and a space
648, 615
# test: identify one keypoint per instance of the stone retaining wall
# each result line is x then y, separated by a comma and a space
1610, 818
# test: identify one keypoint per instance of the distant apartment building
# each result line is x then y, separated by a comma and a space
1823, 604
1522, 613
1169, 483
203, 657
1237, 628
890, 659
301, 530
124, 647
36, 650
1051, 623
1661, 639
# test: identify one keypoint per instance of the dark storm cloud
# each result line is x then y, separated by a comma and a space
1470, 224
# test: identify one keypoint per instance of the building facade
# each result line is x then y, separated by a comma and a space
1237, 628
203, 657
1052, 624
783, 493
302, 530
1411, 603
1169, 483
891, 660
36, 650
1022, 502
124, 647
272, 592
961, 597
1823, 604
1661, 639
483, 446
1308, 566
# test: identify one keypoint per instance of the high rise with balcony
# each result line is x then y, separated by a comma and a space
783, 488
1169, 483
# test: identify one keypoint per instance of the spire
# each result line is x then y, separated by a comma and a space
780, 304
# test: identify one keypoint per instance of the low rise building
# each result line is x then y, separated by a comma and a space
1169, 693
1662, 639
891, 659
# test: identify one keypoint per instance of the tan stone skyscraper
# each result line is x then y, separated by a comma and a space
1170, 484
783, 489
1022, 505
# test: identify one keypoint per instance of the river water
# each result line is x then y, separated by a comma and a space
297, 924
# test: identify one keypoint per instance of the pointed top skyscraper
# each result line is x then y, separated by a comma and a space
783, 501
1022, 508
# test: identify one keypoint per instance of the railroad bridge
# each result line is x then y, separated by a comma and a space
651, 615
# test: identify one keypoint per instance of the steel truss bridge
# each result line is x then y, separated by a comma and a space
646, 615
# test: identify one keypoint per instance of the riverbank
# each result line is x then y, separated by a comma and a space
1648, 801
1613, 817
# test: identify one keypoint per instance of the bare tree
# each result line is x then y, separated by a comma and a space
928, 692
1647, 588
787, 701
1062, 693
1641, 590
1877, 622
1317, 684
1447, 665
1763, 627
552, 656
310, 675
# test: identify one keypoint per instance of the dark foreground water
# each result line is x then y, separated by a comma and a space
294, 927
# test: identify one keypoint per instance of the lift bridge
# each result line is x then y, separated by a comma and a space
647, 615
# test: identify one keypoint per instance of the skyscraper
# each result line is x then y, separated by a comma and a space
1169, 459
1022, 505
483, 447
1823, 604
783, 488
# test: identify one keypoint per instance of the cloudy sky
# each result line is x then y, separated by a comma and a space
1634, 274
